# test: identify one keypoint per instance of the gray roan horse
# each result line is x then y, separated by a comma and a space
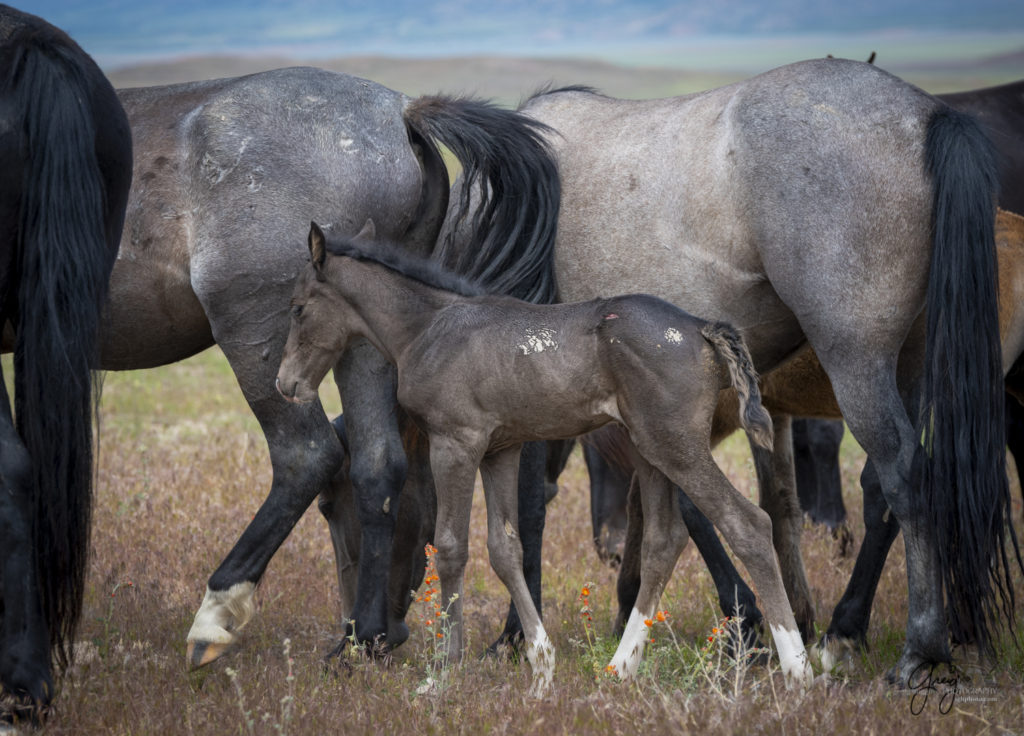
481, 374
65, 168
227, 175
828, 203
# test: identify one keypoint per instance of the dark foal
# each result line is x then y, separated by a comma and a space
481, 374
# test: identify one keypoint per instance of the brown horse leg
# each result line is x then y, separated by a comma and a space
777, 480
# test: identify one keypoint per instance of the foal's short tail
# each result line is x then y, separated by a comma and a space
507, 209
733, 351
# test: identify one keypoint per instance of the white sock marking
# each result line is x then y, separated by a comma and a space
627, 657
223, 614
541, 655
792, 655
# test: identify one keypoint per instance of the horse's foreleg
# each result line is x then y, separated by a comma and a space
777, 482
664, 536
454, 466
532, 512
367, 384
499, 472
305, 454
337, 506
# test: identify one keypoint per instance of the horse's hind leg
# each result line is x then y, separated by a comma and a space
664, 536
499, 473
304, 454
879, 421
735, 597
25, 674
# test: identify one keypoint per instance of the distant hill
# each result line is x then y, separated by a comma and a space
507, 80
510, 79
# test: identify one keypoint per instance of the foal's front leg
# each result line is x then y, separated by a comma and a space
499, 472
453, 463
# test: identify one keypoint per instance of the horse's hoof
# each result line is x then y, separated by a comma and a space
16, 710
201, 653
833, 653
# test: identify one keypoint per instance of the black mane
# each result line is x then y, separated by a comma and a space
424, 270
548, 89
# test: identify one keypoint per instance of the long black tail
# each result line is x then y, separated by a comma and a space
63, 268
964, 493
509, 196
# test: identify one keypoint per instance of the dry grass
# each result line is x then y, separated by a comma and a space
183, 468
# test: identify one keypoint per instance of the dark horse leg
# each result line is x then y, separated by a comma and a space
849, 625
24, 639
852, 615
816, 461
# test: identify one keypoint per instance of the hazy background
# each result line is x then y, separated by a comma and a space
504, 48
632, 48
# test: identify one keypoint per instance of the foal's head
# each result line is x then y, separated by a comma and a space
321, 323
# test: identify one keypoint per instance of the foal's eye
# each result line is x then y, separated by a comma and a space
296, 310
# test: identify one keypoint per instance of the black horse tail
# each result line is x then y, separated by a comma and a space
509, 196
63, 267
731, 349
964, 496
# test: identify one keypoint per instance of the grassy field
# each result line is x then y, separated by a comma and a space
183, 468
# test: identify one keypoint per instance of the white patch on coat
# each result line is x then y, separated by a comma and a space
537, 341
627, 657
541, 655
674, 336
223, 614
792, 656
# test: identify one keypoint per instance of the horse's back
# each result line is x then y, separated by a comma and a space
736, 198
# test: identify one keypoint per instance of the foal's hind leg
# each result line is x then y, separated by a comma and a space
747, 530
499, 472
664, 536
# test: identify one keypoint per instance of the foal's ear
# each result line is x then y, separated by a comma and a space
317, 246
369, 231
